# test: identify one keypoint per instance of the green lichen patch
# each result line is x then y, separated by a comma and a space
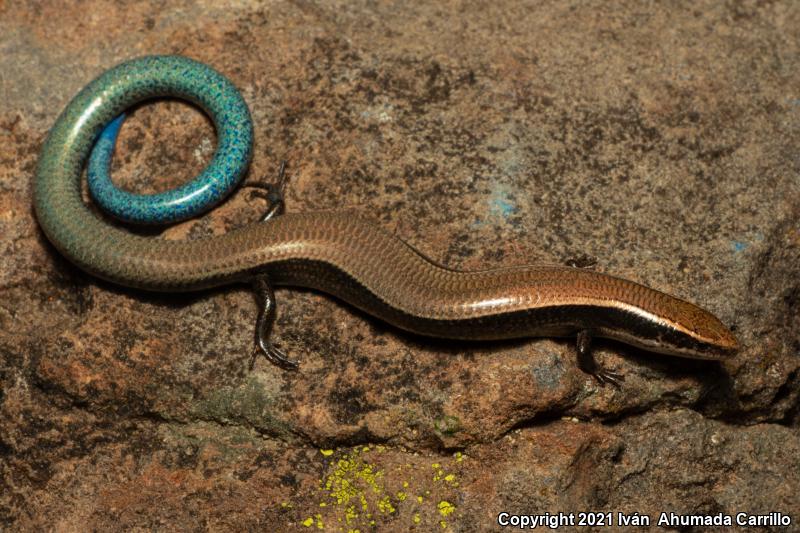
448, 425
251, 404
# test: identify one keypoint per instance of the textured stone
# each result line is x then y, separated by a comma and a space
661, 141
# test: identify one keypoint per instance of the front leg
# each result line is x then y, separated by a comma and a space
587, 363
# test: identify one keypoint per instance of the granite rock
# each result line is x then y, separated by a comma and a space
662, 141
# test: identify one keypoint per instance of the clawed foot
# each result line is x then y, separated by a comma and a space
603, 376
582, 261
266, 318
587, 363
273, 355
271, 192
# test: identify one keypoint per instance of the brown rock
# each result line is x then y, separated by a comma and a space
662, 142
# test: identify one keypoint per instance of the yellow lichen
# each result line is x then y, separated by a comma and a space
358, 492
308, 522
385, 505
446, 508
356, 489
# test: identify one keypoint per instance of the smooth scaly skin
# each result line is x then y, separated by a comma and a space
343, 255
231, 159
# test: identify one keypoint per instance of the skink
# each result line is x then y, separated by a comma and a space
344, 255
234, 126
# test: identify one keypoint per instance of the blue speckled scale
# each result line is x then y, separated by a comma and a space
218, 97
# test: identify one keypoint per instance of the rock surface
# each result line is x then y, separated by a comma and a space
663, 142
